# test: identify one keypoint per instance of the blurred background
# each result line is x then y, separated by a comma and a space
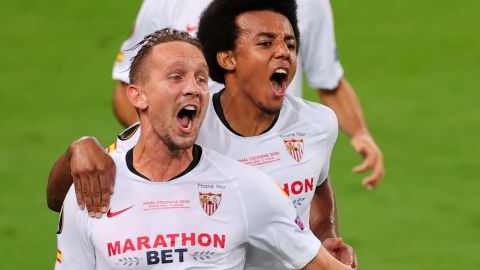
414, 64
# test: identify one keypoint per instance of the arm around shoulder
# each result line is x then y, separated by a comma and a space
91, 169
59, 182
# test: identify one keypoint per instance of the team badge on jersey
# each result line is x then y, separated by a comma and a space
210, 201
294, 148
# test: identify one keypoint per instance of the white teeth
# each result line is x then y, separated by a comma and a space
281, 71
190, 108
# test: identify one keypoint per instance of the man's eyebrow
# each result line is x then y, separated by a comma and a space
290, 37
266, 34
203, 65
181, 65
177, 64
273, 35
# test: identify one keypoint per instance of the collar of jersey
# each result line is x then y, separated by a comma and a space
217, 106
196, 152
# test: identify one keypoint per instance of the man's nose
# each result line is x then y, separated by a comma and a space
192, 88
282, 51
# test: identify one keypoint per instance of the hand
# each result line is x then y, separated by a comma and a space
341, 251
372, 159
93, 173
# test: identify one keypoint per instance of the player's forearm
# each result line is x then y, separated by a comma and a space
59, 182
323, 212
122, 108
346, 105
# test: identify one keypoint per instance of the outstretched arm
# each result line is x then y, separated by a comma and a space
86, 164
346, 105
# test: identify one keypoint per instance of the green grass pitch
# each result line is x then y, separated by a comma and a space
414, 65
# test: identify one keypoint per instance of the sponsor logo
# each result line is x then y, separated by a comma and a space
202, 255
210, 201
129, 261
295, 148
171, 240
298, 187
298, 202
166, 256
111, 214
299, 223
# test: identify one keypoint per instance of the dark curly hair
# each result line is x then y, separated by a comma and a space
149, 41
218, 31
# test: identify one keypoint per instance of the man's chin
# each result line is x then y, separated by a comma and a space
180, 145
272, 110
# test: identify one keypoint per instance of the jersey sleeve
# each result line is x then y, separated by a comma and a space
75, 250
147, 22
318, 47
128, 138
273, 224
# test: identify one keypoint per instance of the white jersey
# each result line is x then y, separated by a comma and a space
295, 151
202, 219
317, 54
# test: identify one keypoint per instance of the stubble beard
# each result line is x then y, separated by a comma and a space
177, 147
166, 134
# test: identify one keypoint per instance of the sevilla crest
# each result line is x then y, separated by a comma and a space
210, 201
295, 148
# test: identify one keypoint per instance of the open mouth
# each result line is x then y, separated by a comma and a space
185, 117
279, 81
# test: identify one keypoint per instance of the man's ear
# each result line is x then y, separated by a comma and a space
226, 60
136, 96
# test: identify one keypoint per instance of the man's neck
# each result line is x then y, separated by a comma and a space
243, 116
153, 159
